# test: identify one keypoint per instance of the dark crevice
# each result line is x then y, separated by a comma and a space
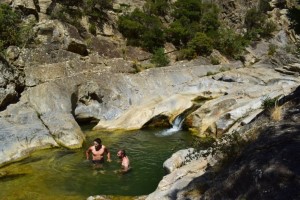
158, 121
294, 16
163, 120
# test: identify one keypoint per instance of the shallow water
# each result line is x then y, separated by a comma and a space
64, 174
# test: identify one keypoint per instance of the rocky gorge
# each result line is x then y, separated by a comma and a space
65, 79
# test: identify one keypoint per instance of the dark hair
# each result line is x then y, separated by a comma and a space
123, 152
98, 140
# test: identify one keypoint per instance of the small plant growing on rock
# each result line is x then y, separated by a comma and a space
93, 29
159, 58
269, 103
272, 49
210, 73
214, 61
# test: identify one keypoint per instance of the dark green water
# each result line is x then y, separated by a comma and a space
64, 174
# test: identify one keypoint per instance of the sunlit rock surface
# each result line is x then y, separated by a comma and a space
267, 168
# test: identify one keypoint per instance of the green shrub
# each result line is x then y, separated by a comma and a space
187, 53
130, 25
230, 43
179, 33
201, 44
142, 30
157, 7
209, 73
210, 21
26, 32
68, 14
268, 28
272, 49
257, 25
254, 19
159, 58
93, 29
264, 6
192, 17
214, 61
191, 9
10, 27
269, 103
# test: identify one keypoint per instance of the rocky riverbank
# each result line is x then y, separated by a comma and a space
67, 76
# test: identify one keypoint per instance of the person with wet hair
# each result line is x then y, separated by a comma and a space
98, 150
124, 161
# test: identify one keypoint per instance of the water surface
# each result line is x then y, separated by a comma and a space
65, 174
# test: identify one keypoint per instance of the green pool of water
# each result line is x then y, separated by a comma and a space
64, 174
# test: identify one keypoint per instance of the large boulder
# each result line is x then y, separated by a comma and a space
255, 84
21, 133
159, 91
178, 159
54, 103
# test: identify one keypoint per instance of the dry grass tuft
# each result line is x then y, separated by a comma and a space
276, 113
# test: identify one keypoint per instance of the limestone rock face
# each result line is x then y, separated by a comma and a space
165, 92
54, 104
27, 4
233, 12
219, 115
64, 129
21, 133
65, 36
272, 156
178, 180
178, 159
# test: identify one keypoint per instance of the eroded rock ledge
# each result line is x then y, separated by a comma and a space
266, 168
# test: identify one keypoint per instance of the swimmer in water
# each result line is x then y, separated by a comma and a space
98, 150
124, 161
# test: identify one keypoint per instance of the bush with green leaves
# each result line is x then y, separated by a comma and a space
179, 33
257, 25
72, 12
202, 44
269, 103
191, 9
13, 31
215, 61
142, 30
10, 27
68, 14
264, 6
209, 21
230, 43
272, 49
95, 9
159, 58
191, 17
187, 53
157, 7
